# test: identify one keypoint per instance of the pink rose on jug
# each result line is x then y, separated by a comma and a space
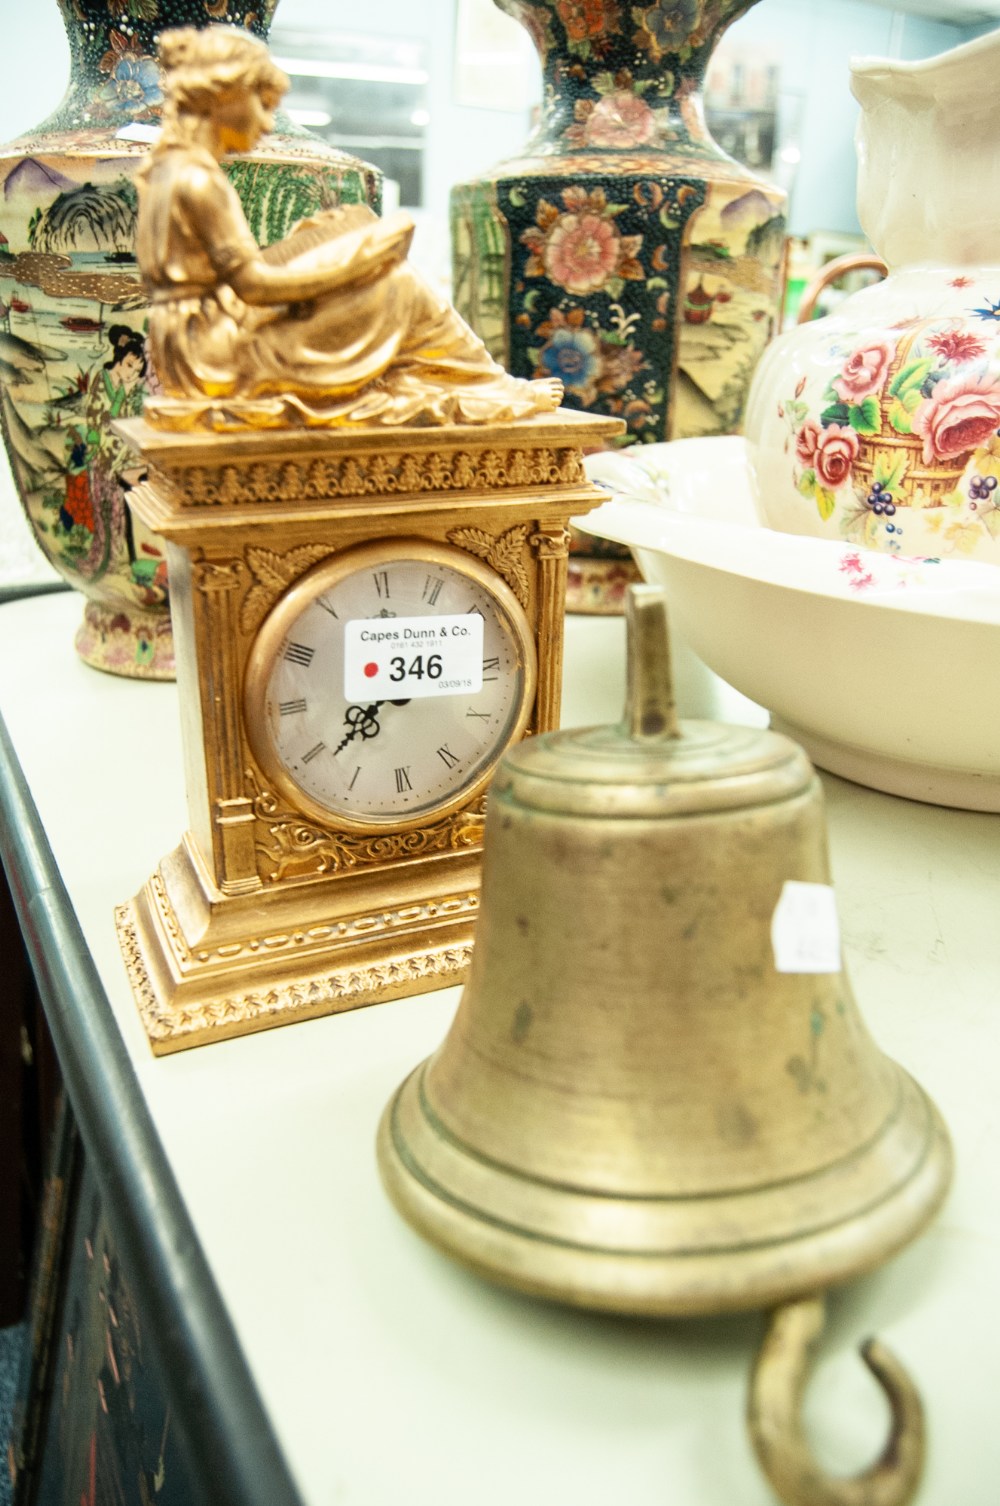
864, 372
806, 441
836, 452
959, 415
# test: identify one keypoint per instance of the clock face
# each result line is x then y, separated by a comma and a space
387, 681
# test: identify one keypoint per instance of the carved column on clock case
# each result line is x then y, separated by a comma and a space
216, 587
551, 545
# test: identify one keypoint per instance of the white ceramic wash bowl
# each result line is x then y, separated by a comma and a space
886, 669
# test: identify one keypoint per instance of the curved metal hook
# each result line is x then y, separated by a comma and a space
780, 1374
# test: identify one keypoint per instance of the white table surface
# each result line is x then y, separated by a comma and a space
390, 1373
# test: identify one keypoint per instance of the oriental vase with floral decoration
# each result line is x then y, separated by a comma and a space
880, 424
73, 310
623, 252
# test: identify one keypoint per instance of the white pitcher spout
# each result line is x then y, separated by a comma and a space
940, 80
928, 144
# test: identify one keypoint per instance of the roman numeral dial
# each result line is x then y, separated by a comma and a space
397, 755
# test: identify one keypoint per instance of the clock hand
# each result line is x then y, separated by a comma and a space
363, 721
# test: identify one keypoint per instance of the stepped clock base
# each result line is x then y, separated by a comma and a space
205, 966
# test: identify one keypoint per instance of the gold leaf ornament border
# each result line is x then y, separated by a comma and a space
272, 572
503, 552
379, 475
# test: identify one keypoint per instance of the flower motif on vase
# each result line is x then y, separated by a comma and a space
668, 27
589, 360
910, 420
113, 44
589, 293
133, 85
580, 247
571, 353
588, 23
619, 118
653, 304
623, 78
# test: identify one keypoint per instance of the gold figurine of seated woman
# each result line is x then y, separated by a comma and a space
331, 325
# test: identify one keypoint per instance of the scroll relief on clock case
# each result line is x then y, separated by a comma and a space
390, 619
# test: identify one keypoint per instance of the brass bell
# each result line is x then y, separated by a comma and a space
658, 1095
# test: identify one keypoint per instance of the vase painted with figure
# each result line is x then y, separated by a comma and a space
623, 251
880, 424
73, 313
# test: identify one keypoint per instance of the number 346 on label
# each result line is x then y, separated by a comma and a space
397, 658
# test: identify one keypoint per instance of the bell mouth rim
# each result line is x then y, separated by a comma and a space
448, 1199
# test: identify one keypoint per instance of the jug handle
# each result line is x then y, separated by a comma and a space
853, 261
779, 1378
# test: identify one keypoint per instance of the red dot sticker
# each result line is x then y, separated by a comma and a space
371, 669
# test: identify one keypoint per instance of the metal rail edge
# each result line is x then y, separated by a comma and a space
224, 1430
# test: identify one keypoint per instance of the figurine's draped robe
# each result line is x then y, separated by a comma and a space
378, 345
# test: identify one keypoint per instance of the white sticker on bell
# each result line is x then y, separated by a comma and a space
805, 931
401, 658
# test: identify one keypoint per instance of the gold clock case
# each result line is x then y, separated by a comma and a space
267, 913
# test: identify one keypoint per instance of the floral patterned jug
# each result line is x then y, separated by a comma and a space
881, 423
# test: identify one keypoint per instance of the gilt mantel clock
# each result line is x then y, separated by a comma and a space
365, 618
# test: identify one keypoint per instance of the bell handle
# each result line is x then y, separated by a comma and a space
650, 709
774, 1417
